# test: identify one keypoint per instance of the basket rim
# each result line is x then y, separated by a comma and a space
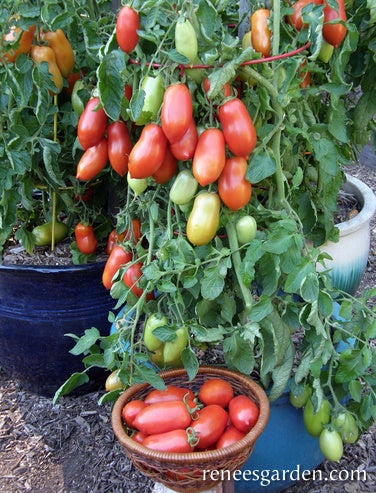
198, 457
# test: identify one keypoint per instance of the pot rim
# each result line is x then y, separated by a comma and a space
367, 199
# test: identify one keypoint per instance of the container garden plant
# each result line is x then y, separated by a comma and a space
233, 216
42, 200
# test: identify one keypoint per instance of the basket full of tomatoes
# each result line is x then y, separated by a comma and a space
179, 435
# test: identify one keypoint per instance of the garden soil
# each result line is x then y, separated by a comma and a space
70, 447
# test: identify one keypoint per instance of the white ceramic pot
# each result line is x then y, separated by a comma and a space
350, 253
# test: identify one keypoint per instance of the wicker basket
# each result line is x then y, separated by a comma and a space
184, 472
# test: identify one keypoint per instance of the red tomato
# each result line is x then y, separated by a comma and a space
134, 233
176, 112
209, 425
131, 277
130, 411
128, 91
334, 33
260, 32
184, 148
92, 161
85, 238
148, 153
229, 437
172, 393
243, 413
226, 90
238, 128
138, 437
119, 146
92, 124
167, 169
116, 259
233, 187
113, 238
127, 24
209, 157
216, 391
162, 417
295, 18
176, 441
304, 75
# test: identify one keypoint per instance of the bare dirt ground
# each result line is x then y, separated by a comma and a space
70, 447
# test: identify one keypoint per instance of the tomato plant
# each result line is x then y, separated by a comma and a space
167, 169
131, 278
296, 18
184, 148
171, 393
246, 229
346, 425
113, 381
17, 41
184, 187
43, 232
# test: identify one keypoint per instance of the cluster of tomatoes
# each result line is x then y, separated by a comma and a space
174, 420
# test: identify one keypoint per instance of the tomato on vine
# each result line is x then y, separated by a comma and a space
209, 157
85, 238
148, 153
91, 124
176, 112
233, 187
127, 25
119, 146
334, 33
260, 32
93, 161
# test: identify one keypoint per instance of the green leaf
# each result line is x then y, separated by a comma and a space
298, 275
355, 389
111, 84
190, 362
74, 381
144, 374
261, 166
281, 374
238, 354
261, 309
310, 288
85, 342
212, 283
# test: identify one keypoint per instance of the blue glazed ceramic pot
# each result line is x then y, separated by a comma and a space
38, 305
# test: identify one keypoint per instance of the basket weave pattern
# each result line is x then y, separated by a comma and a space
184, 472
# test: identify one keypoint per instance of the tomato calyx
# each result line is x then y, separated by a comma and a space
192, 436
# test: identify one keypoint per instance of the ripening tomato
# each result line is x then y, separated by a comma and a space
130, 411
334, 33
209, 425
171, 393
176, 112
133, 233
209, 157
167, 169
184, 148
91, 124
85, 238
226, 89
229, 437
119, 146
92, 161
260, 32
148, 153
127, 25
184, 188
131, 277
175, 441
238, 128
19, 42
295, 18
216, 391
116, 259
233, 187
162, 417
243, 413
203, 220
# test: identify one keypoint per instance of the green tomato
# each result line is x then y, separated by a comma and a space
184, 188
152, 342
326, 52
186, 39
246, 229
138, 185
299, 400
346, 425
331, 445
154, 90
172, 350
43, 233
314, 422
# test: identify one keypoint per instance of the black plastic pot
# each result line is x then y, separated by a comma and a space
38, 305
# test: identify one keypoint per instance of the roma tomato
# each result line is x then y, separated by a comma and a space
295, 18
243, 413
184, 148
130, 411
138, 185
119, 146
167, 169
91, 124
17, 41
171, 393
203, 220
229, 437
153, 88
238, 128
42, 233
116, 259
260, 32
148, 153
233, 187
334, 33
131, 277
162, 417
138, 437
41, 54
246, 229
184, 188
127, 25
92, 161
62, 48
314, 422
216, 391
133, 233
172, 349
331, 444
176, 112
175, 441
85, 238
299, 400
113, 238
209, 425
347, 427
153, 322
209, 157
113, 381
226, 89
186, 39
